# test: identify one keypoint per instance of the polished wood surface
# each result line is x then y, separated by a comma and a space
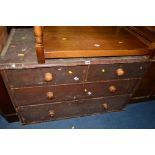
39, 43
86, 41
64, 42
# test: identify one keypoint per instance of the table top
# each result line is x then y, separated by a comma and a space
89, 41
20, 53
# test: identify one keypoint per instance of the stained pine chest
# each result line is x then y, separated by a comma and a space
65, 88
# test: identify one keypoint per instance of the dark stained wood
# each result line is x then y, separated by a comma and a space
146, 90
108, 72
147, 84
147, 87
42, 112
13, 117
101, 89
151, 28
6, 106
61, 75
38, 95
70, 74
153, 93
5, 102
147, 33
50, 90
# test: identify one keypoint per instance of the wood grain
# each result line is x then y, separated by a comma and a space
37, 95
39, 43
3, 36
69, 42
62, 110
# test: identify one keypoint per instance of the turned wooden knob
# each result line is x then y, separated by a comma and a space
48, 77
51, 113
105, 106
50, 95
120, 72
112, 89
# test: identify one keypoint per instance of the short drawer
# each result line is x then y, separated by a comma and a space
116, 71
45, 112
111, 88
49, 94
51, 75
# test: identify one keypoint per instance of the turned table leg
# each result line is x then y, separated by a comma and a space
38, 30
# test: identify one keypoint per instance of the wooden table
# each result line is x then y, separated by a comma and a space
86, 41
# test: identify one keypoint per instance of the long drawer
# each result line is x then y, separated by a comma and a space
61, 110
49, 94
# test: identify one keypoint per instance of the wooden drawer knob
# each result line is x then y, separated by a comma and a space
112, 89
105, 106
50, 95
120, 72
51, 113
48, 77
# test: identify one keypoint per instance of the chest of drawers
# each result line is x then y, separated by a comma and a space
64, 88
71, 92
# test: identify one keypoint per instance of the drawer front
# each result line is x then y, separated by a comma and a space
49, 94
52, 75
116, 71
44, 112
111, 88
